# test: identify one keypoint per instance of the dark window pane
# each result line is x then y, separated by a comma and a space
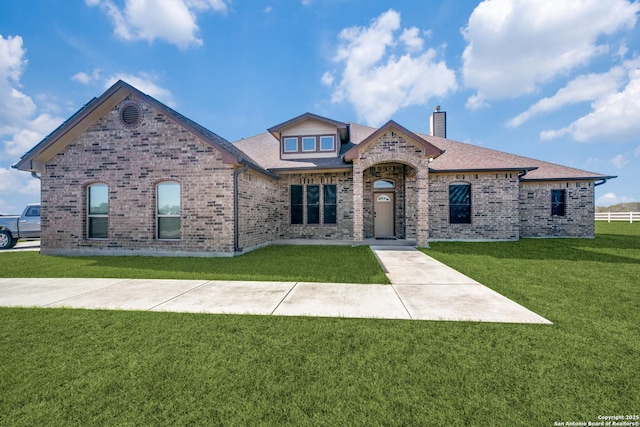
459, 215
313, 214
296, 194
329, 194
97, 227
33, 211
313, 195
459, 194
313, 204
168, 228
330, 204
296, 214
330, 214
557, 203
296, 204
460, 204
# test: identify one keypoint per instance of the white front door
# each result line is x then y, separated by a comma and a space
383, 215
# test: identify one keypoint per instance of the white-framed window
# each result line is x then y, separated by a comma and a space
327, 143
308, 143
291, 145
97, 211
168, 210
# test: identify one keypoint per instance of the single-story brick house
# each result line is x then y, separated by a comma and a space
128, 175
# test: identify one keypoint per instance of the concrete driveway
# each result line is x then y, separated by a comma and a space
422, 289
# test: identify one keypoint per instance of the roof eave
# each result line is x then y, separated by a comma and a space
505, 169
312, 168
116, 92
575, 178
276, 130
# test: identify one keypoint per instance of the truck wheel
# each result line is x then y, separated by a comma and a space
6, 240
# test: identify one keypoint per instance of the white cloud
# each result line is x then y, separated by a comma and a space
619, 161
411, 38
204, 5
20, 182
636, 152
609, 199
85, 78
476, 102
16, 108
615, 117
378, 82
16, 186
145, 83
327, 79
173, 21
31, 134
513, 46
587, 87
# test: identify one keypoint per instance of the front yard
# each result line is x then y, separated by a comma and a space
81, 367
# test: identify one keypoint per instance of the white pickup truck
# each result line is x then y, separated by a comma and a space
25, 226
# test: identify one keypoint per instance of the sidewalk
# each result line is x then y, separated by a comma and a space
422, 289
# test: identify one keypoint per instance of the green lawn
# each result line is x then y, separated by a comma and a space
81, 367
333, 264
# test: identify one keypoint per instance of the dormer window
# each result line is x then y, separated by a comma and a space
327, 143
310, 136
291, 145
308, 143
308, 146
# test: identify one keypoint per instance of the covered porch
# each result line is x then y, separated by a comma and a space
391, 186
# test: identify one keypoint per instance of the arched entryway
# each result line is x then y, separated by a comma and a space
393, 145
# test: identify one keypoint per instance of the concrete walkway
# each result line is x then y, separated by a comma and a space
422, 289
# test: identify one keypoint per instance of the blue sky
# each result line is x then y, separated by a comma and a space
549, 79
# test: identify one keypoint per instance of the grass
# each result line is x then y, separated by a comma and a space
82, 367
333, 264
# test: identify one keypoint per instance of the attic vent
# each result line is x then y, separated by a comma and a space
130, 115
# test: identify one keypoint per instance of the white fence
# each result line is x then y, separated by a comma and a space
617, 216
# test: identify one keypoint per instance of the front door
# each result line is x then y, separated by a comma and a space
383, 215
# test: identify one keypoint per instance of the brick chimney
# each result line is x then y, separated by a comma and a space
438, 122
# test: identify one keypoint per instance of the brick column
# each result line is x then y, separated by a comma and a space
422, 187
358, 213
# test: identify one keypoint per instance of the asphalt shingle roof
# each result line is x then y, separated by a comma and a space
457, 156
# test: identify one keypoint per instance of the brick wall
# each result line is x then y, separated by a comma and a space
259, 216
394, 156
131, 162
494, 207
535, 210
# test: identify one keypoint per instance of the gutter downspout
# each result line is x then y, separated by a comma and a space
236, 203
35, 175
604, 181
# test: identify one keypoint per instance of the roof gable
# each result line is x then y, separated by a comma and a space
341, 127
72, 128
430, 150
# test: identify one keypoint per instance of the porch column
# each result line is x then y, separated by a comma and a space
422, 187
358, 219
